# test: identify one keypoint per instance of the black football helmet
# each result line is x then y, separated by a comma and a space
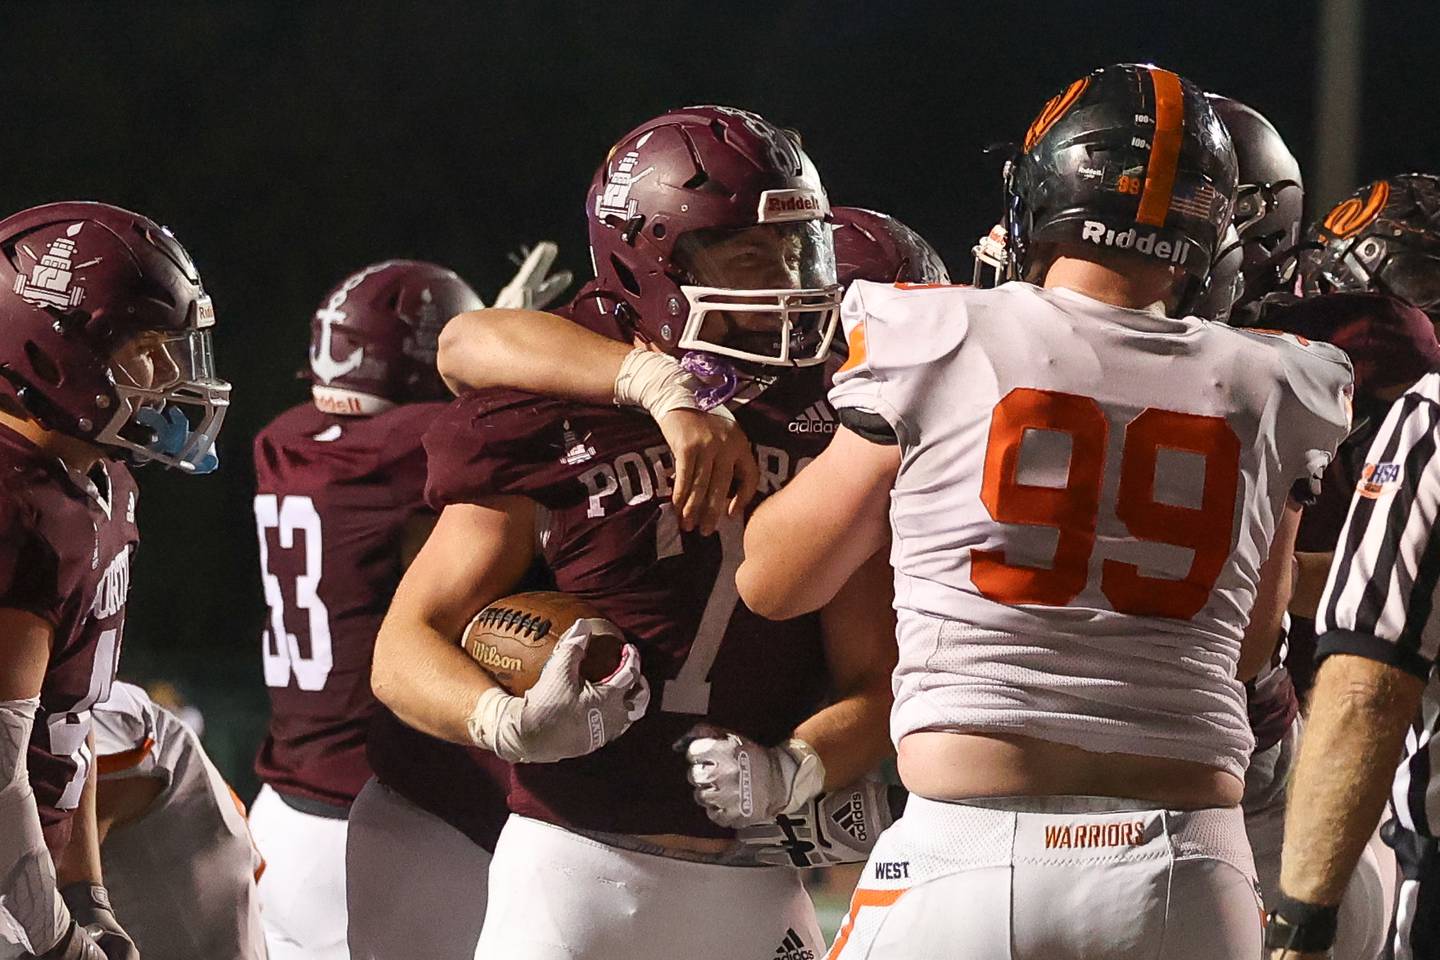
1130, 158
1268, 206
1384, 237
1225, 285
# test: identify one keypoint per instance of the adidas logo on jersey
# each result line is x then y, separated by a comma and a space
1097, 233
793, 948
816, 418
851, 819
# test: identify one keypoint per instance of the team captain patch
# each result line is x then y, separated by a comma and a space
1377, 479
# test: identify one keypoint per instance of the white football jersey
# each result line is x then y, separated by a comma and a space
182, 876
1086, 494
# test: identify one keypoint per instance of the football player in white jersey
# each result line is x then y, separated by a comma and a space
177, 854
1092, 516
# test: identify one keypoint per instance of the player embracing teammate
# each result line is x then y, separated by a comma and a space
709, 233
1094, 505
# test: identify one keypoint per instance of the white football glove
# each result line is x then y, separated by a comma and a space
837, 827
533, 287
563, 715
739, 782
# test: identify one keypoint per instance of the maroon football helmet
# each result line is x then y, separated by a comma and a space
84, 283
708, 226
373, 337
875, 246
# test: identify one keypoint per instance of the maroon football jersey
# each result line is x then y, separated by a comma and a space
334, 495
603, 476
65, 556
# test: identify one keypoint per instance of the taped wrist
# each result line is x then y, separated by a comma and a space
806, 773
657, 383
31, 901
494, 724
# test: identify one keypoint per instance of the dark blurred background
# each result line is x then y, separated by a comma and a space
289, 143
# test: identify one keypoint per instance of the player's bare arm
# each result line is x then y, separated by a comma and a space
1272, 597
118, 802
741, 783
1340, 784
79, 862
1311, 570
474, 555
852, 735
528, 350
546, 354
78, 875
477, 553
806, 541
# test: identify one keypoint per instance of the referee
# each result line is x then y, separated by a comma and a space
1378, 644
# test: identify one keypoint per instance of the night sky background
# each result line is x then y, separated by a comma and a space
288, 144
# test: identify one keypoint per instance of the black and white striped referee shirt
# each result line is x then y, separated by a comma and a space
1380, 599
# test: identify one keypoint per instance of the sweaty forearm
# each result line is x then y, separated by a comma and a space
426, 679
29, 888
1360, 710
528, 350
851, 735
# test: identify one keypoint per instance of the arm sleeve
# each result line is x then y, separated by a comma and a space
1379, 599
31, 911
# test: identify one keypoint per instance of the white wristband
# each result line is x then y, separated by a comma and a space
657, 383
484, 720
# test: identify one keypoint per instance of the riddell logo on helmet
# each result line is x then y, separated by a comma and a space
1097, 233
780, 206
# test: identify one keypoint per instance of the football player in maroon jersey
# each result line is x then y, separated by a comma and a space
708, 232
339, 512
105, 358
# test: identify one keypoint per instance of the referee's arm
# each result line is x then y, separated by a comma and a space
1377, 648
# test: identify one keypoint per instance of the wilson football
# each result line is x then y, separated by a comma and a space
514, 636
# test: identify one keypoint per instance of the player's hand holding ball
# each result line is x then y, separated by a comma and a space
739, 782
577, 704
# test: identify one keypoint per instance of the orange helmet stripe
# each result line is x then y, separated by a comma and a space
1164, 148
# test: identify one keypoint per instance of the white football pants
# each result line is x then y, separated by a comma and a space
302, 891
416, 885
1055, 878
557, 895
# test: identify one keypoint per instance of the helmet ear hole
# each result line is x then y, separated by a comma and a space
41, 363
627, 278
